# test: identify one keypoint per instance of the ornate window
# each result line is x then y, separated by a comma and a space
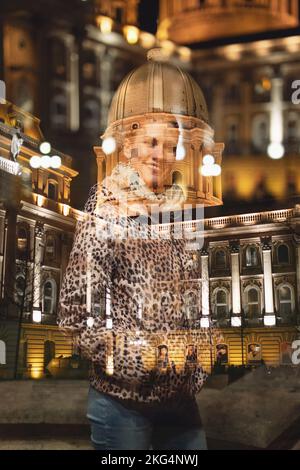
52, 190
285, 301
50, 247
176, 177
220, 259
49, 296
22, 239
283, 254
252, 302
221, 307
251, 256
191, 305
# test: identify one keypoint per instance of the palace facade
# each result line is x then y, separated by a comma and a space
66, 70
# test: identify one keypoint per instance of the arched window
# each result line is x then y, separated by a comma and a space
2, 352
221, 308
177, 178
220, 259
283, 254
253, 304
49, 352
251, 256
285, 301
49, 296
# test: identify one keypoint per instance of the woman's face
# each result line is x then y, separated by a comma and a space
151, 157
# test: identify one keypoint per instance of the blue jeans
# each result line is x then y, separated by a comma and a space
117, 424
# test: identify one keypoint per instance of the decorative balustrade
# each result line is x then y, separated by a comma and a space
195, 226
9, 166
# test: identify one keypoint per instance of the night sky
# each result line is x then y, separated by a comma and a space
148, 14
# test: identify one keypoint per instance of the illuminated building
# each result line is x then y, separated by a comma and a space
247, 83
35, 239
190, 21
248, 268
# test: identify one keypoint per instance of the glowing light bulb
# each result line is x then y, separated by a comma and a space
45, 161
168, 47
131, 34
37, 316
147, 40
269, 320
35, 161
236, 322
184, 53
55, 161
105, 24
215, 169
109, 145
204, 322
45, 147
208, 159
276, 150
206, 170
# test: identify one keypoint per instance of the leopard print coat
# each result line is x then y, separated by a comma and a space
138, 344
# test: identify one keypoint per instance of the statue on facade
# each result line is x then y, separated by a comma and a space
16, 144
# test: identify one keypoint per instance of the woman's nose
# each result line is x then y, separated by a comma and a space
157, 149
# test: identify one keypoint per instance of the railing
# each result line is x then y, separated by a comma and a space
9, 166
228, 221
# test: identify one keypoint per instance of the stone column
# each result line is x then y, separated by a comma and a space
37, 264
204, 283
268, 278
235, 278
101, 157
276, 129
